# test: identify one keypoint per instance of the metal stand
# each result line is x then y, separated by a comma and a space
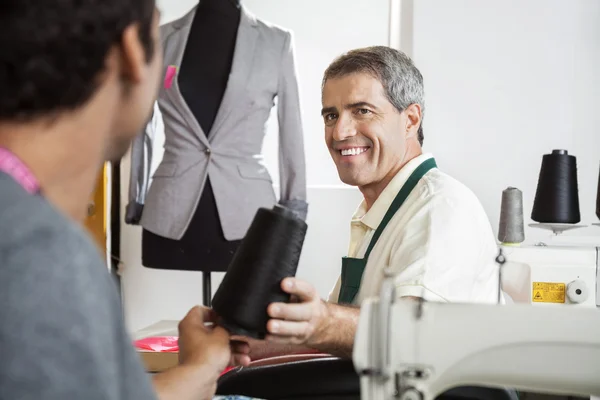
206, 290
557, 228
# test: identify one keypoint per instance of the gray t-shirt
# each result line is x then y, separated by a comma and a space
62, 334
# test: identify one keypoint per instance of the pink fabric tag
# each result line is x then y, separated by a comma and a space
158, 343
171, 72
13, 166
163, 344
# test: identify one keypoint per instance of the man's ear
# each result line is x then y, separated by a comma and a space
413, 120
133, 55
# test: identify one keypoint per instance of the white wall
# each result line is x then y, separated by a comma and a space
506, 81
151, 295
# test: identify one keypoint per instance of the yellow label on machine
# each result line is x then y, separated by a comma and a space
546, 292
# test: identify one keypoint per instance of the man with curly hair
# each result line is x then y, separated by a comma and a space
78, 79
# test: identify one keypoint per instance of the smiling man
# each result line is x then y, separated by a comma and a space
425, 227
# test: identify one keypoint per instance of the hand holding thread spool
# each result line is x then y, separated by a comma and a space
269, 252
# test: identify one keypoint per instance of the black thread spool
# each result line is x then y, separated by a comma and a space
269, 252
557, 196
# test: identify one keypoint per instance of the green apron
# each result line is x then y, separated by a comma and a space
353, 268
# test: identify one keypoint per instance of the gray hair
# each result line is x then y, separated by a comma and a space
402, 81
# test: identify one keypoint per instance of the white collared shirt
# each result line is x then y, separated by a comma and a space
439, 244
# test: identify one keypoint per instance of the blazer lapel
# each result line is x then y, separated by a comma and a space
173, 57
241, 68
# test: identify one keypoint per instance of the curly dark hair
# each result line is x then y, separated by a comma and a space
53, 51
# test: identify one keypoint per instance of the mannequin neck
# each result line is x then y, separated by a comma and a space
221, 4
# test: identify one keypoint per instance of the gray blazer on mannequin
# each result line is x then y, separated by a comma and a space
263, 68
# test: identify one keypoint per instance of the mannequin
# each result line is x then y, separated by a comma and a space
223, 70
203, 246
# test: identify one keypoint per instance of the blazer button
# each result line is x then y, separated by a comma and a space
207, 151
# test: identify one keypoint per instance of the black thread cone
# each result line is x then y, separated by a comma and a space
269, 252
557, 196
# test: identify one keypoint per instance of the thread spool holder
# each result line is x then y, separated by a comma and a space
556, 228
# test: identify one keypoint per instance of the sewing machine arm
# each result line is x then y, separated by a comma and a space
417, 350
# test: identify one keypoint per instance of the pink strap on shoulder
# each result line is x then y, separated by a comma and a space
13, 166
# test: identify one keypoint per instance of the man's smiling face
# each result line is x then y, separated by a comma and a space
364, 132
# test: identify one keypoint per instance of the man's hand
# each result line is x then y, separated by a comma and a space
201, 342
204, 352
240, 353
312, 322
304, 321
192, 333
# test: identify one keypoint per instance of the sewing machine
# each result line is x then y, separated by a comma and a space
552, 349
550, 275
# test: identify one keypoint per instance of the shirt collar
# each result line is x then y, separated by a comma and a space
13, 166
374, 216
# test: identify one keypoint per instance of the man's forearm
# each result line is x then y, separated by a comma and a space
336, 337
185, 382
262, 349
